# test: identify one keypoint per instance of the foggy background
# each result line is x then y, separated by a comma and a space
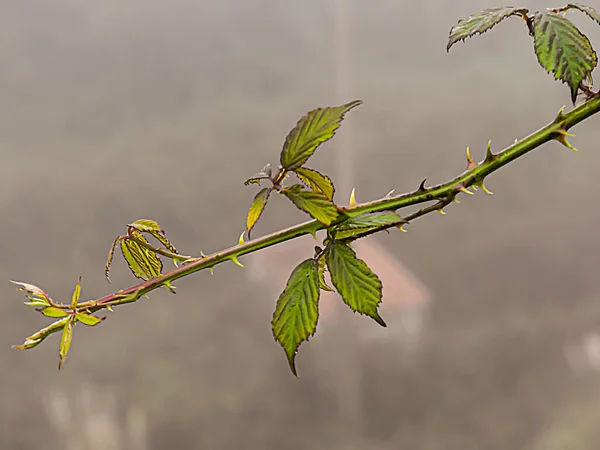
117, 110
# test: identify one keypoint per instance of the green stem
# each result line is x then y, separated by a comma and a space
554, 130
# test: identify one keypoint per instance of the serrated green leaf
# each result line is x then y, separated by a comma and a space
297, 310
257, 208
588, 10
142, 262
363, 222
359, 287
88, 319
146, 226
65, 343
51, 311
314, 128
481, 22
318, 182
316, 205
563, 50
76, 294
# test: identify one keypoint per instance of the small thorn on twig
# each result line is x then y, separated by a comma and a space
241, 240
482, 187
470, 163
562, 138
352, 203
401, 228
489, 156
389, 194
461, 188
422, 186
560, 116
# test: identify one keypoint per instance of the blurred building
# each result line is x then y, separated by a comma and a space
406, 299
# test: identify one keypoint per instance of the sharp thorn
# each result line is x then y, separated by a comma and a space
489, 156
241, 241
483, 188
470, 163
236, 261
389, 194
465, 191
422, 186
352, 203
562, 138
560, 116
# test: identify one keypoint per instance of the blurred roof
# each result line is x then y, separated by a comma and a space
401, 288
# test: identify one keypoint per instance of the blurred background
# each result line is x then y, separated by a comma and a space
118, 110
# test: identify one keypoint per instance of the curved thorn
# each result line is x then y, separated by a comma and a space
211, 269
489, 156
442, 212
401, 228
465, 191
236, 261
483, 188
562, 138
241, 240
352, 203
422, 186
389, 194
560, 116
470, 163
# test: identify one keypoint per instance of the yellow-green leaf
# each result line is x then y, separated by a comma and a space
142, 262
318, 182
257, 208
153, 228
34, 293
76, 294
359, 287
316, 205
52, 311
146, 225
563, 50
42, 334
65, 343
88, 319
316, 127
297, 310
